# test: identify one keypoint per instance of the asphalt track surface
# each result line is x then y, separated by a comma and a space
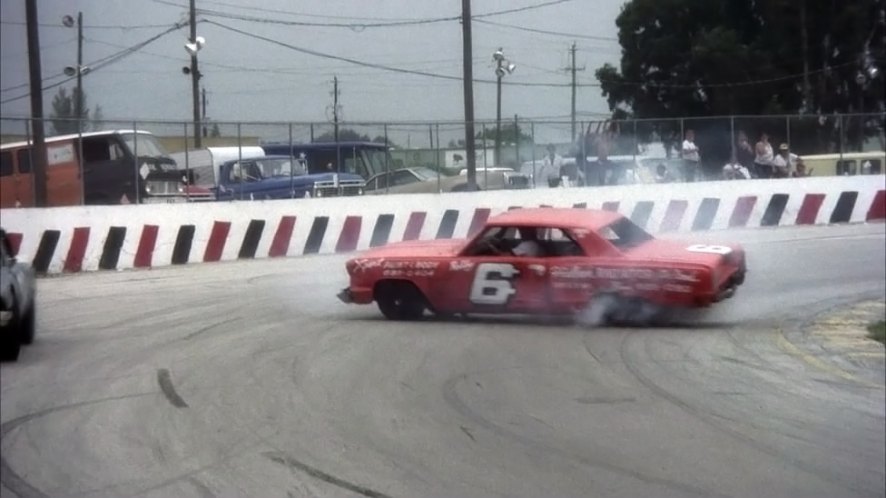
251, 379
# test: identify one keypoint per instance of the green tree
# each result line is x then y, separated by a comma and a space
344, 135
702, 58
510, 133
380, 139
215, 131
64, 114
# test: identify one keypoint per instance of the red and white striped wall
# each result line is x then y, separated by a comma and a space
116, 237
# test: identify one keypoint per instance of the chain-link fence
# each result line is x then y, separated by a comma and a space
426, 157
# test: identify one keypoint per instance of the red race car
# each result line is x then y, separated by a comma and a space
544, 261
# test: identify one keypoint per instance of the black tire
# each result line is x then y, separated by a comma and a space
27, 327
400, 300
10, 339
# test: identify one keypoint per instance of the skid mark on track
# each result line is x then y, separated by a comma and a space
468, 432
202, 489
711, 420
292, 463
9, 477
208, 328
452, 398
165, 380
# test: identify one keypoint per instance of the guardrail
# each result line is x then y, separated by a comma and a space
86, 238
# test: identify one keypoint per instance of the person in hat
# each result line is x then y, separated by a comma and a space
783, 162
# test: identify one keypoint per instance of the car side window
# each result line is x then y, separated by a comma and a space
403, 178
6, 163
24, 160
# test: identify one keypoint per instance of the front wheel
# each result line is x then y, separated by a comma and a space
10, 340
400, 300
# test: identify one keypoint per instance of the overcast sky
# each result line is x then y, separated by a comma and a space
249, 79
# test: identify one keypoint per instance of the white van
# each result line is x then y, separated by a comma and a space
205, 163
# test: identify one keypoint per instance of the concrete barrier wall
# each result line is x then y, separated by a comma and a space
116, 237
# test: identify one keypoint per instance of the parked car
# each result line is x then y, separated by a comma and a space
280, 177
17, 302
426, 180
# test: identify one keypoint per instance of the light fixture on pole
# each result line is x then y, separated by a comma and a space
502, 67
79, 70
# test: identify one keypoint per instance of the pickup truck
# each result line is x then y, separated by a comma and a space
280, 177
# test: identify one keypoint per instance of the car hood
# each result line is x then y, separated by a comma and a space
709, 255
416, 249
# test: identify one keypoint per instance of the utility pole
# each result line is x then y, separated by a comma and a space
195, 76
36, 83
203, 95
468, 82
572, 68
78, 103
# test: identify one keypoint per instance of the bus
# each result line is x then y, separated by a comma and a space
97, 168
847, 163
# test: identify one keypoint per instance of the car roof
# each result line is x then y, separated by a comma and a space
556, 217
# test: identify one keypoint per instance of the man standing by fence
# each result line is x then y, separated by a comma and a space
690, 155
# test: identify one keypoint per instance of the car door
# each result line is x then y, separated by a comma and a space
496, 281
493, 284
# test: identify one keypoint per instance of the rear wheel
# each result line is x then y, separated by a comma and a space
400, 300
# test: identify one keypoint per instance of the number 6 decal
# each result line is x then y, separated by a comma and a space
492, 283
709, 249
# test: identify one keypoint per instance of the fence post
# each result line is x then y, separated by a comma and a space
187, 164
387, 168
840, 126
532, 134
291, 166
732, 137
437, 154
516, 142
485, 151
312, 132
135, 163
240, 158
634, 167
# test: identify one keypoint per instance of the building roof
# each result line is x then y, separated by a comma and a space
556, 217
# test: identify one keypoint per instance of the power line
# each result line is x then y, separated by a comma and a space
378, 66
92, 26
359, 26
545, 32
105, 61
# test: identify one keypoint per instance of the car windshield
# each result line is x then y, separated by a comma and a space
143, 145
425, 174
279, 167
375, 160
624, 234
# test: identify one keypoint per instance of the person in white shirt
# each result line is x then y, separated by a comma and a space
763, 157
529, 245
690, 155
550, 168
783, 162
734, 170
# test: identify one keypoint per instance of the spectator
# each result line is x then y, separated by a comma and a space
550, 168
763, 158
800, 170
782, 162
734, 170
662, 175
744, 153
690, 155
600, 167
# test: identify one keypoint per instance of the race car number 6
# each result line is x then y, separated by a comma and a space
492, 283
709, 249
